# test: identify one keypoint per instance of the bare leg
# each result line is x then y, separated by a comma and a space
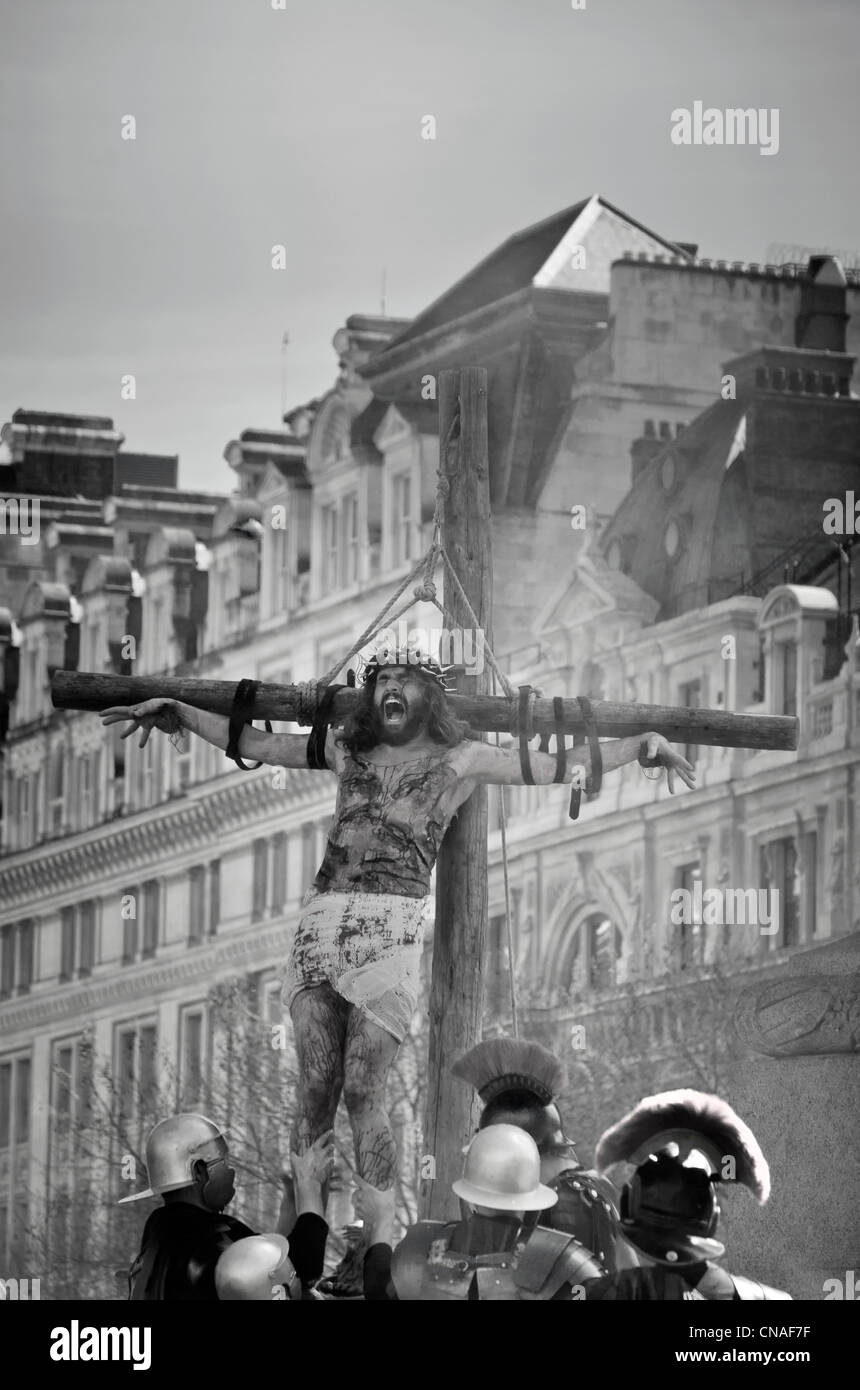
370, 1050
319, 1017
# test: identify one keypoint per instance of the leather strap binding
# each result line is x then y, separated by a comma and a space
319, 731
594, 780
242, 714
560, 750
523, 725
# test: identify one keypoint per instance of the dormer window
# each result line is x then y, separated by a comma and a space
794, 626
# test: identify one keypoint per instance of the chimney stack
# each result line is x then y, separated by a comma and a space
643, 449
822, 316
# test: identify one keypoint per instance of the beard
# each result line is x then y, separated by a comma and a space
396, 728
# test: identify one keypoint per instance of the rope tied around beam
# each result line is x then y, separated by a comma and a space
308, 695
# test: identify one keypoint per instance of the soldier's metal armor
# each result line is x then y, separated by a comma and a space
586, 1209
433, 1262
658, 1282
719, 1284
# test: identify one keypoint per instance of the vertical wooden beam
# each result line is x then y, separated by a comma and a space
457, 987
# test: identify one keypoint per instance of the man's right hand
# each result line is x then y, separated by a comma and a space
148, 715
314, 1162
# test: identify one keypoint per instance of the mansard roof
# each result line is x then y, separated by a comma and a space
511, 267
738, 495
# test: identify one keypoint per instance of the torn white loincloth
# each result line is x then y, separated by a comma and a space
367, 946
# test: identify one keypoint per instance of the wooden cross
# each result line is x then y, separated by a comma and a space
456, 993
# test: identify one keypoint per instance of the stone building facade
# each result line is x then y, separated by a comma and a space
701, 414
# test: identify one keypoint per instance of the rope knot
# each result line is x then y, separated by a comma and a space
307, 699
425, 592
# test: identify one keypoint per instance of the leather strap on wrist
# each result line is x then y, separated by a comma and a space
241, 715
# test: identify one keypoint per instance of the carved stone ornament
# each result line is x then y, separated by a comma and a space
801, 1015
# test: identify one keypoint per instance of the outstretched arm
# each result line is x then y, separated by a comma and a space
172, 716
487, 763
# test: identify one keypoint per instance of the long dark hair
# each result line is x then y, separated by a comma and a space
360, 733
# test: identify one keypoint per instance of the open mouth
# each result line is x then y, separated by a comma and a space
393, 709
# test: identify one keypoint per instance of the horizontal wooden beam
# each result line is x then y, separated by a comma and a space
83, 690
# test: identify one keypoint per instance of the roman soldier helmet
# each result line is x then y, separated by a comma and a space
670, 1211
250, 1269
502, 1171
683, 1143
516, 1077
172, 1149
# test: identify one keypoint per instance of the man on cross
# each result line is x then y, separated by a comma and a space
404, 767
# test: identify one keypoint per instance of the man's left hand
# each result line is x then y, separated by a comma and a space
656, 746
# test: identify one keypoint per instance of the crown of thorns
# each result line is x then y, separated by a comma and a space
411, 659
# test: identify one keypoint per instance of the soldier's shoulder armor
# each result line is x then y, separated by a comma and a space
409, 1259
591, 1186
551, 1259
750, 1290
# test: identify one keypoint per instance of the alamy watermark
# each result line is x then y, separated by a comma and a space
19, 516
842, 519
459, 646
23, 1290
734, 126
849, 1288
751, 907
76, 1343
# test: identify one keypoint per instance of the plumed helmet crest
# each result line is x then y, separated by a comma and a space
511, 1064
689, 1120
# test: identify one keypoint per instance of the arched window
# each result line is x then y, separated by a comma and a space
604, 950
589, 959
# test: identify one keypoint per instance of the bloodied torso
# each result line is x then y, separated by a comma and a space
389, 821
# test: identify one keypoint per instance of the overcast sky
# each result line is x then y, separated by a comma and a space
302, 126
